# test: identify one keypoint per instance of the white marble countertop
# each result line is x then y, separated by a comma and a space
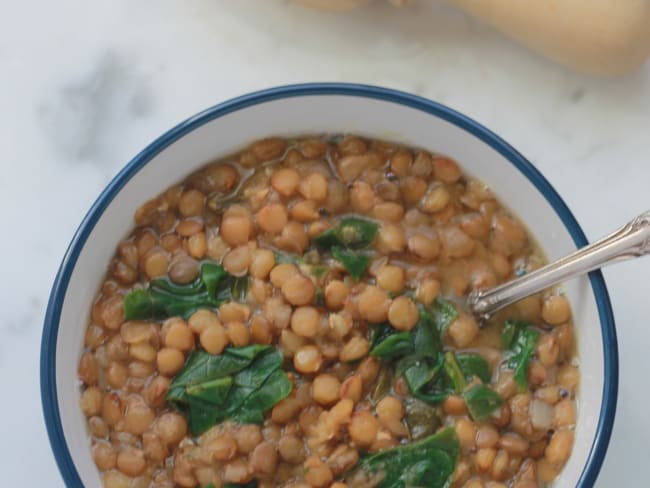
85, 85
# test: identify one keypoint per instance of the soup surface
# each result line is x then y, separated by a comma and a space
292, 315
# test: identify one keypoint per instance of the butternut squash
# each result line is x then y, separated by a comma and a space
602, 37
336, 5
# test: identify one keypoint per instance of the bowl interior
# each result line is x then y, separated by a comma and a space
220, 131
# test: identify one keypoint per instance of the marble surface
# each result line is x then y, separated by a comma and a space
86, 85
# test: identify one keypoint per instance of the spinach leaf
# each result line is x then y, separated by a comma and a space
395, 345
426, 336
522, 351
474, 365
481, 401
510, 329
213, 391
210, 276
433, 381
444, 313
258, 389
140, 304
250, 484
380, 332
350, 233
386, 342
508, 333
354, 262
259, 371
251, 411
428, 462
418, 358
423, 367
382, 384
241, 384
418, 372
423, 340
421, 418
164, 299
521, 339
434, 395
235, 291
427, 378
201, 367
430, 375
452, 368
200, 415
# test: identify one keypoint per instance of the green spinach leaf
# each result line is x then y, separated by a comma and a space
426, 335
213, 391
521, 339
523, 349
474, 365
421, 418
387, 342
444, 313
432, 381
430, 375
429, 462
423, 340
418, 372
427, 378
200, 415
202, 367
510, 330
258, 401
456, 376
250, 484
481, 401
212, 275
349, 233
164, 299
140, 304
354, 262
383, 383
241, 384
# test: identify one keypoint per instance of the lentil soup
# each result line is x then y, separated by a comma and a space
291, 315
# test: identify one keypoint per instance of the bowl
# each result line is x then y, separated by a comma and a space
321, 108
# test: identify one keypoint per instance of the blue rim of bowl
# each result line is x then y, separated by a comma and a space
51, 324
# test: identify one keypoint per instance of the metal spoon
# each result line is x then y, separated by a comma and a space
630, 241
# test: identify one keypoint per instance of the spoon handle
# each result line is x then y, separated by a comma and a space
631, 240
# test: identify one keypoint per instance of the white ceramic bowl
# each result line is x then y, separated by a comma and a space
320, 108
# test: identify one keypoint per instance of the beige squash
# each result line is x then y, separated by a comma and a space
344, 5
335, 5
603, 37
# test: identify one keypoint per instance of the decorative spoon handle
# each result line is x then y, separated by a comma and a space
630, 241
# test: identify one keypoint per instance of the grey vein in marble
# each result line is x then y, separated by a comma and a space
80, 119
